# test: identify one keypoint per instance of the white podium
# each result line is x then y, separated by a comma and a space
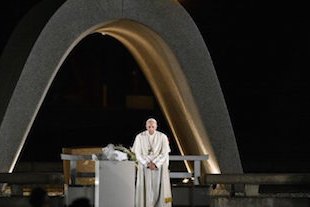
115, 183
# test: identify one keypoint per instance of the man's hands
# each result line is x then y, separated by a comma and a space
152, 166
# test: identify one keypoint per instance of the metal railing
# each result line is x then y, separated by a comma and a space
194, 158
197, 166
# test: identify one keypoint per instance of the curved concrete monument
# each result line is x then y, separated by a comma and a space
165, 42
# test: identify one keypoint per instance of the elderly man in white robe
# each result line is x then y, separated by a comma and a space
152, 152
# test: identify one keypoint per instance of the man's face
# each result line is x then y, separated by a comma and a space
151, 127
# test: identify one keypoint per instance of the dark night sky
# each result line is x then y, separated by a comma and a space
260, 52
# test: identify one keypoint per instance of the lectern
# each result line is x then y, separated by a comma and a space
114, 183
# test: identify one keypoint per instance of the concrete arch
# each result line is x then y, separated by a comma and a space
171, 52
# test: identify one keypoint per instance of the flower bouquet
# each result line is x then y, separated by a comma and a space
131, 155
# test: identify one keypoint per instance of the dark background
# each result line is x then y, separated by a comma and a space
260, 51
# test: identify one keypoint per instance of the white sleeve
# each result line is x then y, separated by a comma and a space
136, 148
164, 155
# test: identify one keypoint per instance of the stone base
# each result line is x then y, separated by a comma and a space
259, 202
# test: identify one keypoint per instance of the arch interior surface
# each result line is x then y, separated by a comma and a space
167, 45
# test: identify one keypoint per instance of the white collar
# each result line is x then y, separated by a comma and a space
151, 135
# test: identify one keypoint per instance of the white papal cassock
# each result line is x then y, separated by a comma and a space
153, 186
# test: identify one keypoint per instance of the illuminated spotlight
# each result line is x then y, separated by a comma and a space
185, 180
96, 182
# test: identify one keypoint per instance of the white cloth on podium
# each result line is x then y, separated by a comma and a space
111, 154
